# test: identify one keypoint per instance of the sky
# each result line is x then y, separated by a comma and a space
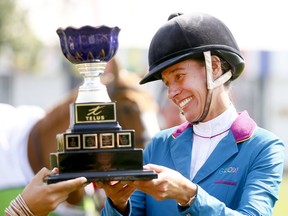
256, 24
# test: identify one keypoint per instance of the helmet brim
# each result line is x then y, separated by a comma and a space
235, 61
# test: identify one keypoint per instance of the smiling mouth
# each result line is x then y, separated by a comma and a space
185, 102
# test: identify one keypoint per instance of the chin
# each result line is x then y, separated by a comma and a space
190, 118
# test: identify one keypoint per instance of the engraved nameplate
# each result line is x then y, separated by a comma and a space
95, 113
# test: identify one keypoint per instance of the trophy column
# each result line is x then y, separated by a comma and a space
94, 145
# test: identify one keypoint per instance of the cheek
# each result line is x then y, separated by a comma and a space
201, 98
199, 94
196, 87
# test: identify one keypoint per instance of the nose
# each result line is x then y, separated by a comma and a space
173, 91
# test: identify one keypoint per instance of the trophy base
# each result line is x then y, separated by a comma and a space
127, 175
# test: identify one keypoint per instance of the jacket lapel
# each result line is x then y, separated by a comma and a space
181, 148
226, 148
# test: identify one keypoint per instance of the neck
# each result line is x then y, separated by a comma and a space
220, 103
216, 126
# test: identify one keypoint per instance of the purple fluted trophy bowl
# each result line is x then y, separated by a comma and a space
89, 44
89, 49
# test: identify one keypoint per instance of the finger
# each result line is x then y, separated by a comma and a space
154, 167
114, 186
124, 193
41, 175
113, 182
127, 190
138, 184
55, 170
44, 171
105, 184
71, 185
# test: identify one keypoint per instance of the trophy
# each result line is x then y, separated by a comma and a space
94, 145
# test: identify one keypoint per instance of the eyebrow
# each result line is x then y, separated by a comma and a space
176, 69
173, 71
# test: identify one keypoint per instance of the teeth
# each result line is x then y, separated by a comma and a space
184, 102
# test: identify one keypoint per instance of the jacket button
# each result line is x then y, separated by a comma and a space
189, 214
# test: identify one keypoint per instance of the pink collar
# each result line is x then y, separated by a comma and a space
242, 128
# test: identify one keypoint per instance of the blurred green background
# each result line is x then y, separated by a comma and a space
281, 208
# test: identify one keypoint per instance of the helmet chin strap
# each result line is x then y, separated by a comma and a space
211, 85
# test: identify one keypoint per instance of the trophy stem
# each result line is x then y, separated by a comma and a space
92, 90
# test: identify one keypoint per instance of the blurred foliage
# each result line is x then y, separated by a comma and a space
18, 44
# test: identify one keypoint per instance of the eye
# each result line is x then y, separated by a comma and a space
179, 76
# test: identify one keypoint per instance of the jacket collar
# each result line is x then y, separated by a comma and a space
243, 127
241, 130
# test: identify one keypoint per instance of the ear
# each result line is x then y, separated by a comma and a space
216, 66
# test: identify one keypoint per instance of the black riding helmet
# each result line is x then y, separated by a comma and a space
185, 36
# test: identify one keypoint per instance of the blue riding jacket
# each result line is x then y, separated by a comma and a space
240, 177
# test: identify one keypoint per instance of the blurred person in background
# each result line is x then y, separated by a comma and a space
27, 137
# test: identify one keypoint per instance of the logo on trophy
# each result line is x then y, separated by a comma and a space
94, 146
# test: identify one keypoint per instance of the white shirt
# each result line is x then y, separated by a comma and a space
15, 126
207, 135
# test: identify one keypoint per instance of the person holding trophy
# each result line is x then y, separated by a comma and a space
27, 136
38, 198
219, 162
